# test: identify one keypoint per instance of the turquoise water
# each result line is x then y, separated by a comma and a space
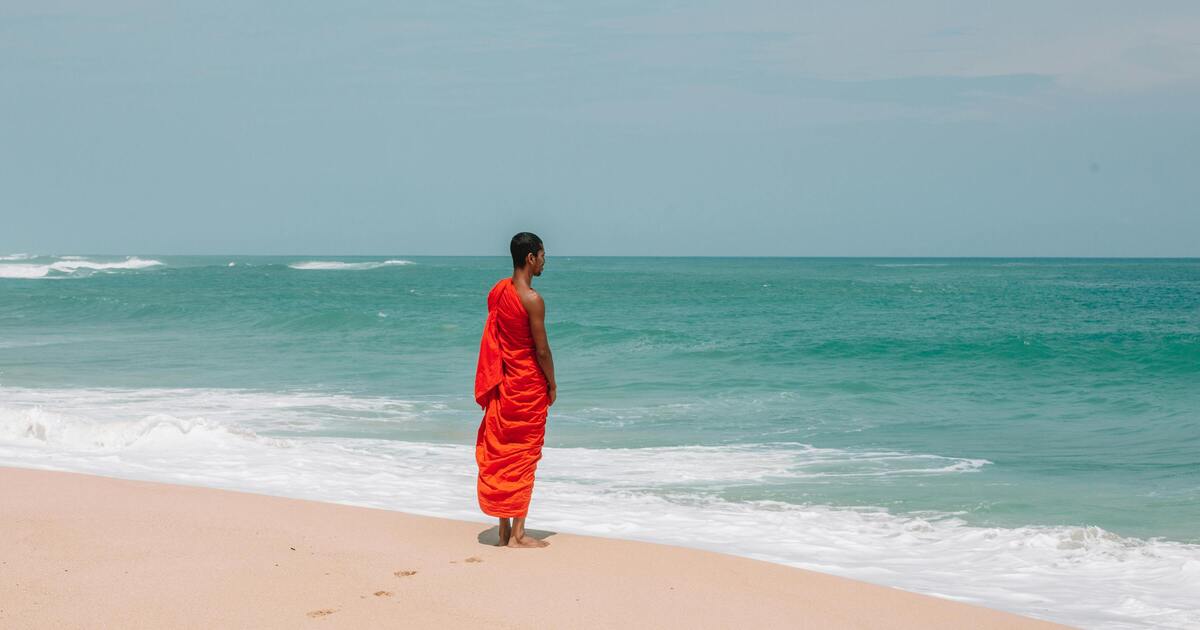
1004, 393
1078, 379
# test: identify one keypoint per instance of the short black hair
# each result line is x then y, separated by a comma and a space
523, 244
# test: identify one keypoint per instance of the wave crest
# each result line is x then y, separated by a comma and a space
34, 426
70, 265
336, 265
747, 463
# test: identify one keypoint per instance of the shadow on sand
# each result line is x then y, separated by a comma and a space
491, 536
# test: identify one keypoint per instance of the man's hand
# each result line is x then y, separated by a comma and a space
553, 393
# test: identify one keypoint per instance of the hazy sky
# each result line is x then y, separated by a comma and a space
625, 128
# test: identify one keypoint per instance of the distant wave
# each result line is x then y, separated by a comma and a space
16, 257
335, 265
68, 265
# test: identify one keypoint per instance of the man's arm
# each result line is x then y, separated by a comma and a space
537, 325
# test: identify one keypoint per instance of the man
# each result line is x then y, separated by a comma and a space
514, 383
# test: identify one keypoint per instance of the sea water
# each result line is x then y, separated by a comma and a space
1017, 433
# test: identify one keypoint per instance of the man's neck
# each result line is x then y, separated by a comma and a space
522, 278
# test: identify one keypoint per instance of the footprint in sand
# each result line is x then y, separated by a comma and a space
321, 613
404, 573
383, 593
474, 559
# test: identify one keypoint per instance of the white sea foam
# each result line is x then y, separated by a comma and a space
334, 265
82, 434
16, 257
746, 463
24, 271
68, 265
260, 412
1080, 575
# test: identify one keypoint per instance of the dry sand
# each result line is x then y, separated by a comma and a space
81, 551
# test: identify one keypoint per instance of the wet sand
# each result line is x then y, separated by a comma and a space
82, 551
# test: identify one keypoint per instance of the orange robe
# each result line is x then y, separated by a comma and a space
511, 388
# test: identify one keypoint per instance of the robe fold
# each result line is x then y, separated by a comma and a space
512, 390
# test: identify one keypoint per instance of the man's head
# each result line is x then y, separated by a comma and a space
527, 250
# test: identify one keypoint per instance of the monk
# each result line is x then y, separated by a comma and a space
514, 383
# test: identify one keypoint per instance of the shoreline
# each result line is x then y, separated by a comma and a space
89, 551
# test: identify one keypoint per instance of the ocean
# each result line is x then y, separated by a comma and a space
1018, 433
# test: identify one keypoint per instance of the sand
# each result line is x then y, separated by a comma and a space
81, 551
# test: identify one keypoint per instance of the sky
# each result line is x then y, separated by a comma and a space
747, 128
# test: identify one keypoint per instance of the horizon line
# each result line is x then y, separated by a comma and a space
843, 256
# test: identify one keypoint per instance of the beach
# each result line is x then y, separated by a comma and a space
765, 315
87, 551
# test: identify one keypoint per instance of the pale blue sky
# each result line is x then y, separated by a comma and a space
703, 128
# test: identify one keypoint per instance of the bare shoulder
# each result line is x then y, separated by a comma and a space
531, 300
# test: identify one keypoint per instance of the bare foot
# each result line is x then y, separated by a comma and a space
505, 534
527, 541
